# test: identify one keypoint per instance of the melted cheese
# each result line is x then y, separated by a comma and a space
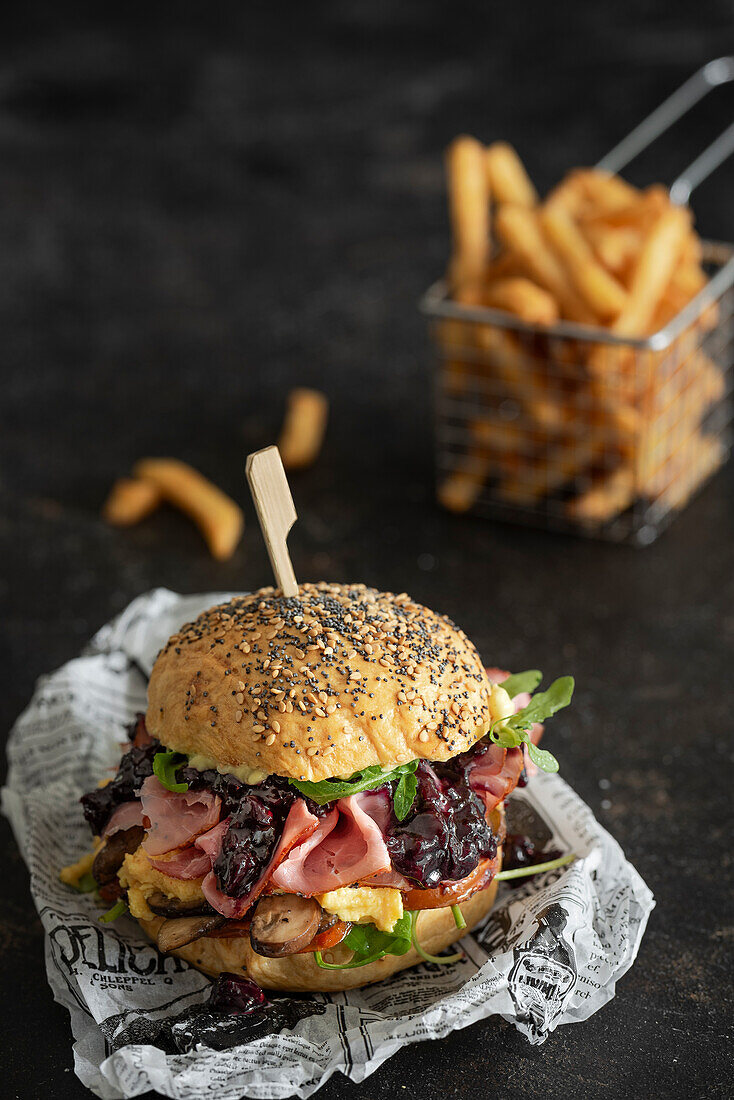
378, 905
142, 880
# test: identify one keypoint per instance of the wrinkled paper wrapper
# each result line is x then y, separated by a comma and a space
549, 953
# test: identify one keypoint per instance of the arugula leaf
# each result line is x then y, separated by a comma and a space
543, 759
116, 911
522, 681
404, 794
369, 944
546, 703
365, 780
515, 731
165, 765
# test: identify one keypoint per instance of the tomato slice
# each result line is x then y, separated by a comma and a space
451, 893
329, 938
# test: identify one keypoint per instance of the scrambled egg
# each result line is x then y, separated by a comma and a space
142, 880
378, 905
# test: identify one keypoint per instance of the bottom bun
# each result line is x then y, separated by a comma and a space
436, 930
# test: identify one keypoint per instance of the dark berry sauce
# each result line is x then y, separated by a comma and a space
446, 834
520, 851
234, 994
135, 767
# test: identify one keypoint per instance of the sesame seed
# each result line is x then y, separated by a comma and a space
258, 729
270, 739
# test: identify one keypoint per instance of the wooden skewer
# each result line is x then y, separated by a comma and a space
275, 511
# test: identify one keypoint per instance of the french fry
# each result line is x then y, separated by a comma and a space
508, 180
609, 495
609, 419
459, 490
303, 428
615, 247
469, 209
600, 290
673, 485
676, 413
559, 464
652, 272
522, 297
216, 515
518, 229
519, 373
605, 192
130, 500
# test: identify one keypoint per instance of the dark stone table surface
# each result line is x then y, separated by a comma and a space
202, 205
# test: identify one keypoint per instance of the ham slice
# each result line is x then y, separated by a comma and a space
124, 817
175, 819
350, 847
290, 872
189, 863
211, 843
299, 824
387, 878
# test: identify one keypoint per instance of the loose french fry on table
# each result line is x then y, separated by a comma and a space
469, 207
508, 180
216, 515
303, 428
130, 500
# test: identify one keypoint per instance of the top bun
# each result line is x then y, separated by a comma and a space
324, 684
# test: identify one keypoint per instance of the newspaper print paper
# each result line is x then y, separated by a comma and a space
549, 953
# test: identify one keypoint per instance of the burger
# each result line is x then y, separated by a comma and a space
314, 799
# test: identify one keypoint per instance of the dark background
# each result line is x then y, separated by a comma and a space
202, 205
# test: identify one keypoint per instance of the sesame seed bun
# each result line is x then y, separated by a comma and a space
436, 929
324, 684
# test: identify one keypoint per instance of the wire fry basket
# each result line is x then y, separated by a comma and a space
575, 428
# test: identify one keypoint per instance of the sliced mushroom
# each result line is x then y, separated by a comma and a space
283, 924
183, 930
163, 906
108, 859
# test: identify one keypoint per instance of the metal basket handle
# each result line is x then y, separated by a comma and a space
720, 71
